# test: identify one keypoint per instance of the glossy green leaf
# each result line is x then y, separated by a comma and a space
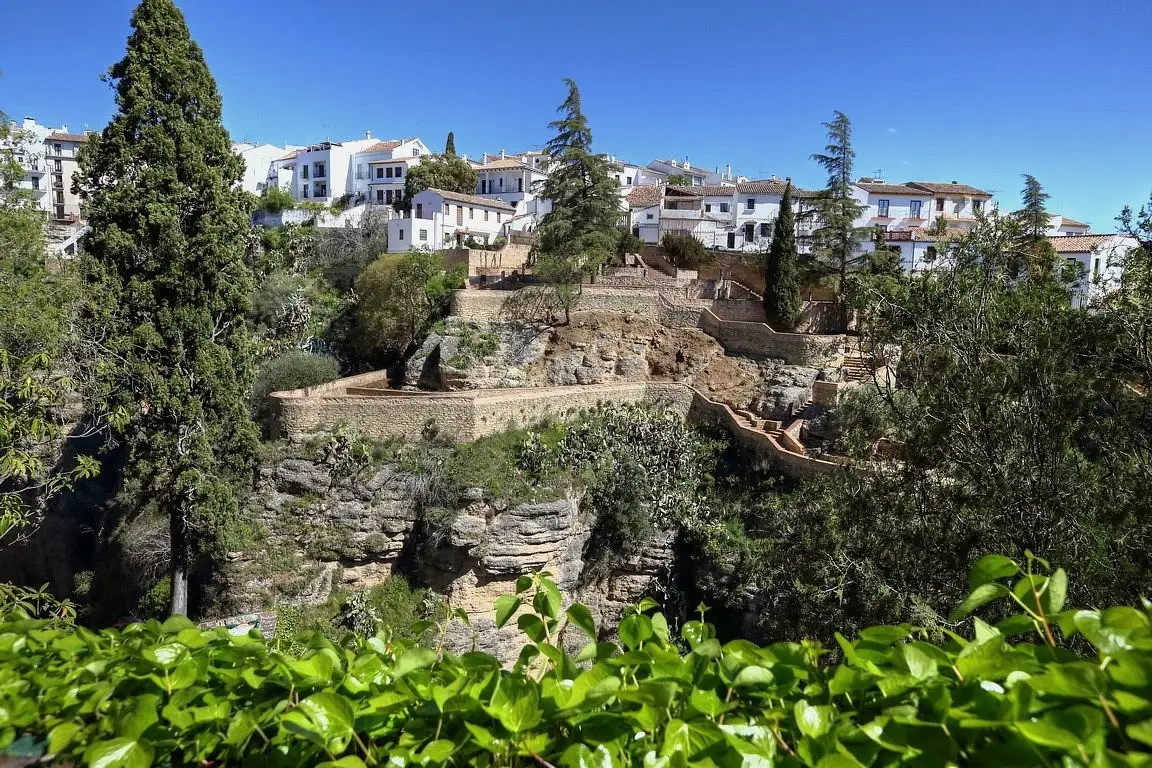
582, 617
506, 605
119, 753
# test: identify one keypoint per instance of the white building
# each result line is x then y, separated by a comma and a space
644, 204
516, 180
757, 204
439, 218
697, 177
382, 168
1062, 225
321, 172
1097, 262
258, 159
26, 140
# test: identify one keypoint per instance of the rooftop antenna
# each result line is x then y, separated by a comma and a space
879, 173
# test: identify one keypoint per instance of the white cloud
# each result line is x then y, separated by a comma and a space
893, 130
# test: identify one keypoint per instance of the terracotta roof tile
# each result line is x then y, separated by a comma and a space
948, 188
1067, 222
703, 191
771, 187
507, 164
290, 154
645, 196
381, 146
880, 188
1078, 243
77, 137
476, 200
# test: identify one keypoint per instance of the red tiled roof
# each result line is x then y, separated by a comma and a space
289, 154
77, 137
1067, 222
476, 200
880, 188
381, 146
507, 164
1078, 243
702, 191
948, 188
770, 187
645, 196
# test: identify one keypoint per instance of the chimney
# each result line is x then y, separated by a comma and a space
29, 123
954, 181
501, 154
367, 134
728, 171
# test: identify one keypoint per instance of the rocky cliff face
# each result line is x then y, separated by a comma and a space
604, 348
319, 533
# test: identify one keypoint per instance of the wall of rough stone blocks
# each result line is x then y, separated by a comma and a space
759, 340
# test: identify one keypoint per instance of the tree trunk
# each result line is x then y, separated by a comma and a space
179, 573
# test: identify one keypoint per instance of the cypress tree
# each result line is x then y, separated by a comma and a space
450, 145
1033, 251
167, 245
782, 304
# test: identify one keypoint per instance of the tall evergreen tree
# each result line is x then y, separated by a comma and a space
1033, 251
836, 240
167, 241
782, 304
580, 232
450, 145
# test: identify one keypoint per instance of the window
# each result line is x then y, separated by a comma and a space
35, 182
629, 181
766, 230
359, 170
750, 205
58, 148
423, 234
379, 173
388, 173
399, 171
497, 217
731, 239
501, 183
483, 186
914, 209
59, 211
1095, 266
707, 207
319, 170
650, 216
401, 236
58, 166
380, 195
723, 207
304, 171
977, 206
940, 205
930, 254
520, 184
419, 210
447, 209
415, 152
471, 213
485, 215
882, 208
305, 190
321, 190
59, 197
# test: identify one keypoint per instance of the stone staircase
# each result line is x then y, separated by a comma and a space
856, 366
755, 296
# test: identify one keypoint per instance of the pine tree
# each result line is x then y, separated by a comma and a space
1033, 220
782, 304
836, 240
580, 232
450, 145
167, 243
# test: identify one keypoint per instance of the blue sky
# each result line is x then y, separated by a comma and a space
977, 91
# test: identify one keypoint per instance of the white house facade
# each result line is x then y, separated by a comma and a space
516, 182
439, 218
381, 169
1096, 261
1062, 225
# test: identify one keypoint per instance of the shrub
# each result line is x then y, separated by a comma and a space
629, 243
682, 248
1013, 694
276, 200
291, 370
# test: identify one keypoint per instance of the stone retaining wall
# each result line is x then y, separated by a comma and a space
380, 413
759, 340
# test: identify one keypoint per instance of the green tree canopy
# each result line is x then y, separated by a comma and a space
447, 172
450, 145
836, 238
580, 232
167, 241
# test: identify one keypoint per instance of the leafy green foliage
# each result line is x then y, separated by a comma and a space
167, 241
276, 199
629, 242
400, 297
893, 698
683, 249
446, 172
291, 370
782, 304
